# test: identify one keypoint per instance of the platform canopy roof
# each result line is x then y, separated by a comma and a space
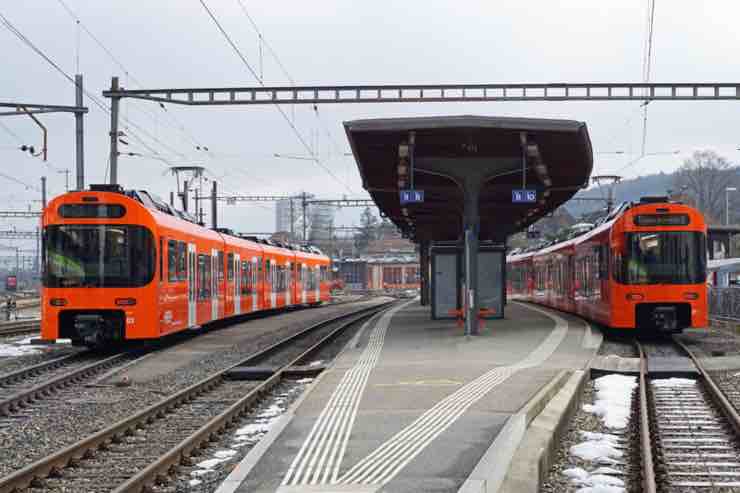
553, 157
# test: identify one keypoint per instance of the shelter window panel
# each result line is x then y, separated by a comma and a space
172, 260
230, 267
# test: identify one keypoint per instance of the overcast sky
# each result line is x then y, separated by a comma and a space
173, 43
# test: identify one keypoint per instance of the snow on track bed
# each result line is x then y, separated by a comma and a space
596, 454
18, 352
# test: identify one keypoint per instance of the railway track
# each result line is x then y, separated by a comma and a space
136, 452
689, 432
23, 387
19, 327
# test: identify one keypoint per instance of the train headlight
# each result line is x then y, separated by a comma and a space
58, 302
691, 296
635, 297
125, 301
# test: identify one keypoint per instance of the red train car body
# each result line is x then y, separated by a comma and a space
125, 265
644, 267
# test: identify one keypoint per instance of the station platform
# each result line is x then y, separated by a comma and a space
412, 404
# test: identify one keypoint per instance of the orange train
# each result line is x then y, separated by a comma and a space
643, 267
124, 265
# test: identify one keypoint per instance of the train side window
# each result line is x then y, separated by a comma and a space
230, 267
171, 260
604, 262
220, 268
202, 283
182, 264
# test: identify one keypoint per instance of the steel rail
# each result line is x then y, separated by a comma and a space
20, 327
52, 464
18, 375
646, 446
715, 392
20, 399
218, 424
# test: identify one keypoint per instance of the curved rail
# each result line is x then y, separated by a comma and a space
72, 454
646, 443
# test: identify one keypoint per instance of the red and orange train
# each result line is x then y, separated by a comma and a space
123, 265
643, 267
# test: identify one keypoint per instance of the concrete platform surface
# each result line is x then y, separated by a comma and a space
416, 405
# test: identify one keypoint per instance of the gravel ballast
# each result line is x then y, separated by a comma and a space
78, 411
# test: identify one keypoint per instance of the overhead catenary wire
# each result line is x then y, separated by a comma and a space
290, 123
187, 136
96, 101
647, 63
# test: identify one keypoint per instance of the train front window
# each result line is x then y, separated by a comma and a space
98, 256
666, 257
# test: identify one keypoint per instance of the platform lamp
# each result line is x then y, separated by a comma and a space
727, 203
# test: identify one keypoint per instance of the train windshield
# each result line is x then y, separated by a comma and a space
666, 257
98, 256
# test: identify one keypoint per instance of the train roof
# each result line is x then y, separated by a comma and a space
169, 214
584, 231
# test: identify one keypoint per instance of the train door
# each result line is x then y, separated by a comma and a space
192, 286
214, 283
317, 270
254, 273
270, 297
303, 283
237, 284
288, 283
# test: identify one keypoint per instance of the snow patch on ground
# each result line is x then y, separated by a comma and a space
593, 450
19, 347
613, 397
673, 382
612, 403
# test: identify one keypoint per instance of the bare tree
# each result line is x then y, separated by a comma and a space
704, 178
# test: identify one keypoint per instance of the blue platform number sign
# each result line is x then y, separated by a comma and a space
411, 196
523, 196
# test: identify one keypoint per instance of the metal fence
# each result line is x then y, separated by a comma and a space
724, 303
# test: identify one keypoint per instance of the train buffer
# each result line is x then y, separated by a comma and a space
459, 315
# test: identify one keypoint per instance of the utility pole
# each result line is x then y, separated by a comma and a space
214, 206
43, 193
185, 195
172, 198
198, 211
66, 172
38, 253
80, 137
114, 104
292, 221
610, 180
304, 204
